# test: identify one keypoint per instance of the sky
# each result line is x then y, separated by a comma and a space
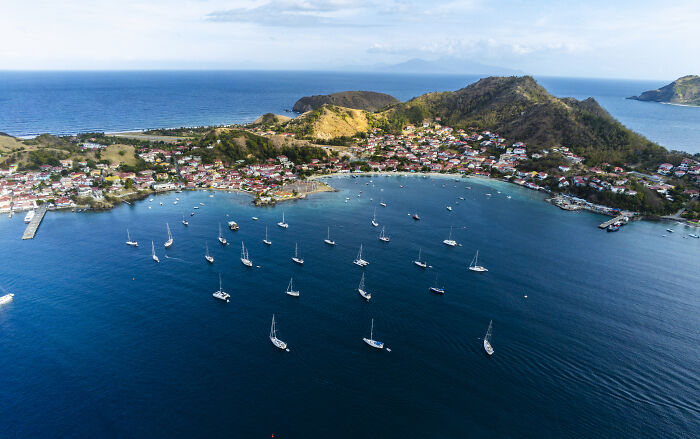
609, 39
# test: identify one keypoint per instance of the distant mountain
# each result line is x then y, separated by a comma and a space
685, 91
359, 100
454, 66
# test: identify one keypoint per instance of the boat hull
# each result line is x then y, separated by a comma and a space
374, 343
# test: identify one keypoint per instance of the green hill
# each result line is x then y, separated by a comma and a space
685, 91
358, 100
330, 122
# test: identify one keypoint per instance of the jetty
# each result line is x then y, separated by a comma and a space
621, 218
33, 225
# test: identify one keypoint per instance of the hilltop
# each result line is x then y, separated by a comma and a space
358, 100
684, 91
330, 122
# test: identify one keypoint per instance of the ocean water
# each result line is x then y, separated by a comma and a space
68, 102
102, 342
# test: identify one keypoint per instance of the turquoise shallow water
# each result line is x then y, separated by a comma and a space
102, 342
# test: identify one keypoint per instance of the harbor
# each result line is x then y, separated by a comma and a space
35, 222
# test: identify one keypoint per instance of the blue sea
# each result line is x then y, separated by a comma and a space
68, 102
100, 341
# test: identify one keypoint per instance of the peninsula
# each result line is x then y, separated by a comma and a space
359, 100
682, 91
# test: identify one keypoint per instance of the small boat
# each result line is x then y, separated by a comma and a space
220, 293
233, 225
614, 227
359, 261
374, 218
255, 218
383, 204
449, 208
245, 259
196, 207
418, 262
487, 340
169, 242
150, 200
461, 198
267, 241
153, 253
273, 336
201, 204
290, 289
175, 202
207, 256
296, 257
7, 298
437, 289
371, 341
282, 223
222, 240
161, 203
361, 289
383, 237
669, 230
191, 213
28, 217
184, 221
474, 266
328, 240
129, 241
693, 235
449, 241
416, 217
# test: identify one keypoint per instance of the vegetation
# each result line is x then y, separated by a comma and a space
359, 100
684, 91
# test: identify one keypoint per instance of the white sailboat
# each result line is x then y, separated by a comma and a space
244, 256
487, 340
222, 240
184, 221
371, 341
382, 236
418, 262
449, 208
290, 289
449, 241
382, 203
374, 218
296, 257
273, 336
153, 253
361, 289
328, 239
359, 261
207, 256
169, 242
129, 241
220, 293
282, 223
474, 266
267, 241
437, 289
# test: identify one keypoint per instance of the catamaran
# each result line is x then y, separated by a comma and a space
220, 293
374, 218
487, 340
222, 240
153, 253
207, 256
437, 289
244, 256
273, 336
328, 239
290, 289
296, 257
282, 223
371, 341
449, 241
418, 262
233, 225
474, 266
359, 261
169, 242
361, 289
383, 237
129, 241
267, 241
184, 221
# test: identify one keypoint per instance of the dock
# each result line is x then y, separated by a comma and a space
620, 218
33, 225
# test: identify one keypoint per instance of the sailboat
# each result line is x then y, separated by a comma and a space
418, 262
244, 256
129, 241
184, 221
328, 239
267, 241
290, 289
207, 256
169, 242
222, 240
383, 237
487, 340
282, 223
361, 289
371, 341
436, 289
359, 261
153, 253
273, 336
296, 257
449, 241
474, 266
220, 293
374, 218
382, 203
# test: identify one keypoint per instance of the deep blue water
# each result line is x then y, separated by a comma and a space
102, 342
68, 102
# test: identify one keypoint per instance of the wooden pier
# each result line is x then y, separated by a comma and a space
33, 225
620, 218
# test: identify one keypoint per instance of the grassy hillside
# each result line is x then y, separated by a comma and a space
329, 122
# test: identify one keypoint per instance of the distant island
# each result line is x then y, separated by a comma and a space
444, 66
359, 100
682, 91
